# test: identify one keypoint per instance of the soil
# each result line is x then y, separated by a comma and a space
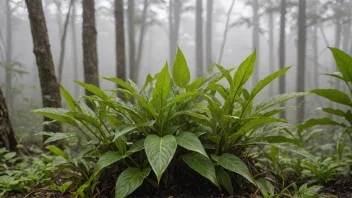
340, 186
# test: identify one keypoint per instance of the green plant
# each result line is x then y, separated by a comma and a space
173, 118
340, 97
302, 192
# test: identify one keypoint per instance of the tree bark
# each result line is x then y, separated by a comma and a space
301, 58
282, 48
74, 49
225, 31
89, 36
7, 135
48, 83
256, 39
8, 61
120, 41
63, 43
209, 33
199, 37
131, 37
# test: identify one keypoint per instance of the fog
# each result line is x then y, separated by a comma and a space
326, 16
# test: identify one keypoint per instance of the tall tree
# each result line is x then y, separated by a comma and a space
271, 44
199, 37
301, 57
7, 135
131, 36
141, 40
256, 38
347, 25
209, 29
8, 57
89, 37
225, 31
74, 48
63, 43
175, 7
120, 41
41, 48
282, 54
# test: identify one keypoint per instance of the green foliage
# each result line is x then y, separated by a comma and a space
169, 118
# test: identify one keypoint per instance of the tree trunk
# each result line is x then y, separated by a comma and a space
48, 83
120, 41
225, 31
301, 58
256, 39
282, 54
199, 37
347, 26
271, 50
7, 135
63, 43
89, 37
174, 24
8, 57
58, 15
141, 41
74, 49
131, 34
209, 34
315, 54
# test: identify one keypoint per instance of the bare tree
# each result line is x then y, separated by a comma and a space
89, 37
175, 7
74, 48
131, 36
41, 48
301, 57
209, 34
225, 31
8, 56
282, 54
271, 45
63, 42
255, 6
7, 135
199, 37
120, 41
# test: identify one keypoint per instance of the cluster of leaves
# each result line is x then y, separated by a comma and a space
210, 126
21, 174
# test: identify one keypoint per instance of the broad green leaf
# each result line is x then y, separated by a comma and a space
180, 70
270, 102
261, 84
9, 155
319, 121
92, 88
69, 99
178, 98
57, 151
343, 62
244, 72
265, 187
58, 114
225, 180
106, 160
129, 180
199, 117
160, 152
85, 118
253, 124
64, 186
336, 76
137, 146
333, 95
234, 164
162, 88
336, 112
195, 84
121, 83
190, 142
148, 80
281, 139
226, 73
126, 128
202, 165
292, 148
59, 136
